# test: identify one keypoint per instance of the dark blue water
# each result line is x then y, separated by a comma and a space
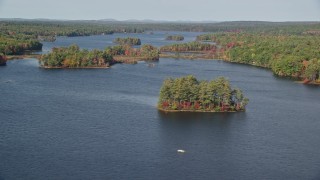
103, 124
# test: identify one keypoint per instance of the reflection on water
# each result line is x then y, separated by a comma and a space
200, 116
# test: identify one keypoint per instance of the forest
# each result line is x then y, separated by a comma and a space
189, 94
286, 55
128, 41
175, 38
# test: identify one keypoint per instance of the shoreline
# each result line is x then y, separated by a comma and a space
198, 55
194, 56
22, 57
131, 60
315, 83
197, 111
92, 67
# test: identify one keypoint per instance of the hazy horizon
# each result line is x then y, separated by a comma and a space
149, 20
164, 10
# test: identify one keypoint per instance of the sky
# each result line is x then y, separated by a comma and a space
172, 10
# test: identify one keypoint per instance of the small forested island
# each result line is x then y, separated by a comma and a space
175, 38
206, 37
3, 60
73, 57
128, 41
189, 94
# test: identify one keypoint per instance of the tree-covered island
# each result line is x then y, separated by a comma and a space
128, 41
74, 57
175, 38
128, 54
189, 94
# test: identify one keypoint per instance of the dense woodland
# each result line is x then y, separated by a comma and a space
175, 38
286, 55
189, 94
128, 41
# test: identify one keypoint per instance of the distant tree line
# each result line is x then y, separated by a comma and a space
189, 94
83, 28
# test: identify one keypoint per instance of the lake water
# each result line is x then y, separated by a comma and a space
100, 42
103, 124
